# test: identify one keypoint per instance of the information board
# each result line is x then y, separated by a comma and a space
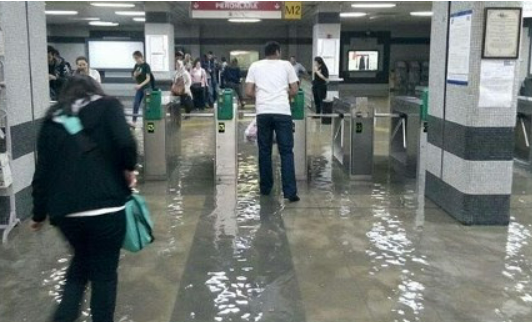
459, 48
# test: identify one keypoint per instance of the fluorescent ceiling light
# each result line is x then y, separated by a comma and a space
352, 14
139, 19
373, 5
61, 12
244, 20
113, 4
103, 23
84, 19
421, 13
130, 13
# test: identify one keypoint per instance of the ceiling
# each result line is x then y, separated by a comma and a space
180, 10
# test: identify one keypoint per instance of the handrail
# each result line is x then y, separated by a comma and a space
392, 115
523, 127
333, 115
199, 115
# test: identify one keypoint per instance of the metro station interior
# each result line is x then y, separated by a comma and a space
415, 178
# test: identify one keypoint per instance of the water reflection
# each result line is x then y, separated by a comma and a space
239, 267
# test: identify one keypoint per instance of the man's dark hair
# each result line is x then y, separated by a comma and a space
82, 58
51, 49
179, 54
271, 48
210, 53
138, 54
293, 57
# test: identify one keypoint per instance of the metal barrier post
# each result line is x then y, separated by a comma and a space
362, 131
300, 136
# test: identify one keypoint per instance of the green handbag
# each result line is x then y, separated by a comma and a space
139, 226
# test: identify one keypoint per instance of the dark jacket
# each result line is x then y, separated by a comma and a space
68, 179
232, 74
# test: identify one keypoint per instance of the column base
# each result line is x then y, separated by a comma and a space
468, 209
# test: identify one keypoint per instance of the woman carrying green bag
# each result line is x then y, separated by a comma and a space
82, 182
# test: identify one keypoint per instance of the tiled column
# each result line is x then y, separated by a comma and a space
159, 23
470, 148
327, 26
26, 92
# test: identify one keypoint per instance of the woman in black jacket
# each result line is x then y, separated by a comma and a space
82, 182
319, 83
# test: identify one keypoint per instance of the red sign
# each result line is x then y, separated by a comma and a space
236, 9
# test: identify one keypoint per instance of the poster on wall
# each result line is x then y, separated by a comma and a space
156, 47
361, 61
459, 48
496, 83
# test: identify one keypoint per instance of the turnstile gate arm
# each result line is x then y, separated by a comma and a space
523, 127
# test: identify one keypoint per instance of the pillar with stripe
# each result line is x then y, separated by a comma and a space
26, 92
470, 148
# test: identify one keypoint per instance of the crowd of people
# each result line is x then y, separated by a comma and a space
59, 70
196, 81
199, 79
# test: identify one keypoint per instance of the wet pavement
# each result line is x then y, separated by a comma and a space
374, 251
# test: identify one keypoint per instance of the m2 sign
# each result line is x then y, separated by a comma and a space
293, 10
236, 9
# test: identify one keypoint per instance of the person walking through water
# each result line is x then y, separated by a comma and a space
271, 82
81, 183
142, 74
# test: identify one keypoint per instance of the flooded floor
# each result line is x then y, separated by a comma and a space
352, 252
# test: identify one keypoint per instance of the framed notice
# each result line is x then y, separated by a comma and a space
459, 48
502, 31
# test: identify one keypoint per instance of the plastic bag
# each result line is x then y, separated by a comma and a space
251, 131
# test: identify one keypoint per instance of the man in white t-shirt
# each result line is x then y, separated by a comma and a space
272, 82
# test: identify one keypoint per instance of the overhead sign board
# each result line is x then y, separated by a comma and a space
236, 9
293, 10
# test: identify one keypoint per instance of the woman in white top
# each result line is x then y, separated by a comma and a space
199, 84
83, 69
182, 77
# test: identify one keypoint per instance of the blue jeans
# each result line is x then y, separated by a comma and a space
139, 95
283, 127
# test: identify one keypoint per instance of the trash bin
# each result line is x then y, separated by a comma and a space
326, 108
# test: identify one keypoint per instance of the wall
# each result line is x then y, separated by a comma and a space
26, 92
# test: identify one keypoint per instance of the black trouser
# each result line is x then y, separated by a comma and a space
198, 94
320, 93
96, 242
186, 102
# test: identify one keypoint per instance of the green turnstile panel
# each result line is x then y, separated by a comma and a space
425, 106
153, 106
225, 105
298, 106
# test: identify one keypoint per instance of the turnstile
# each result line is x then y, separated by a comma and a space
353, 137
405, 134
226, 160
154, 117
523, 130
